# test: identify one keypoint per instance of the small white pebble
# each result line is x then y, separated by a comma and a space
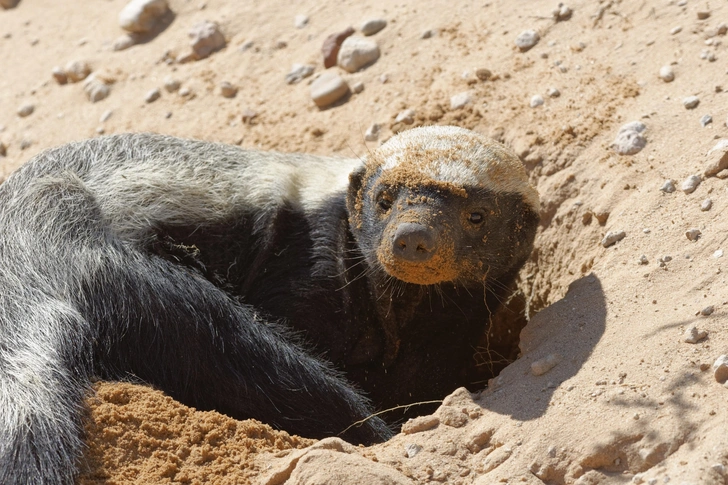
612, 237
675, 30
412, 449
643, 259
357, 87
668, 186
705, 120
706, 205
152, 95
536, 101
667, 74
691, 102
718, 254
707, 311
720, 369
460, 100
26, 110
407, 117
171, 84
553, 93
692, 335
527, 39
691, 183
106, 115
372, 133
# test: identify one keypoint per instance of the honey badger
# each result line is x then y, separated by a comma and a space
281, 287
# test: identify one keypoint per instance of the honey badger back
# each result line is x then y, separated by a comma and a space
170, 260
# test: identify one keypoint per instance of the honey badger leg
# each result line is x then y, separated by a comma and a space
77, 302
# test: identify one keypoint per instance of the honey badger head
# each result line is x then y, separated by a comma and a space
443, 204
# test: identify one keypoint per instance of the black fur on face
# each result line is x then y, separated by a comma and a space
438, 233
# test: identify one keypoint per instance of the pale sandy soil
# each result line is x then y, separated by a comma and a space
628, 400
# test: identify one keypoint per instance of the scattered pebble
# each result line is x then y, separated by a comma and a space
372, 26
553, 93
542, 366
95, 89
692, 335
536, 101
411, 450
328, 88
629, 139
206, 38
3, 149
357, 52
706, 205
691, 102
718, 254
562, 12
429, 33
123, 42
720, 369
141, 16
8, 3
77, 71
227, 90
717, 158
668, 187
706, 120
483, 74
708, 55
384, 78
667, 74
372, 133
299, 72
25, 110
527, 39
152, 95
707, 311
248, 116
693, 234
332, 44
644, 260
613, 237
691, 183
185, 91
357, 87
25, 143
460, 100
703, 14
675, 30
665, 259
300, 21
407, 117
105, 115
59, 75
171, 84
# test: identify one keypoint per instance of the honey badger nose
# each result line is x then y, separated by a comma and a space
414, 242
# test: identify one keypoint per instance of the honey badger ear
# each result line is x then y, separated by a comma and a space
354, 196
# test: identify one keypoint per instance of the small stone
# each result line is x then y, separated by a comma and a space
100, 130
123, 42
357, 52
542, 366
643, 259
59, 75
8, 3
553, 93
141, 16
483, 74
675, 30
332, 44
665, 259
668, 187
703, 14
411, 449
720, 369
527, 39
26, 110
372, 133
25, 143
152, 95
706, 120
536, 101
185, 91
3, 149
693, 234
95, 89
690, 184
693, 335
629, 139
428, 34
171, 84
328, 88
707, 311
206, 38
372, 26
691, 102
667, 74
460, 100
613, 237
419, 424
105, 115
357, 87
299, 72
384, 78
280, 44
227, 90
248, 116
718, 254
562, 13
706, 205
77, 71
717, 158
407, 117
300, 21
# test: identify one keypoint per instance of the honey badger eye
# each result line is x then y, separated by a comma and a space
475, 217
384, 203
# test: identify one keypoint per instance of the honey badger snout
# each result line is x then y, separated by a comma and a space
414, 242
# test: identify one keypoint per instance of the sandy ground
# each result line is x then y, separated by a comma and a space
627, 400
